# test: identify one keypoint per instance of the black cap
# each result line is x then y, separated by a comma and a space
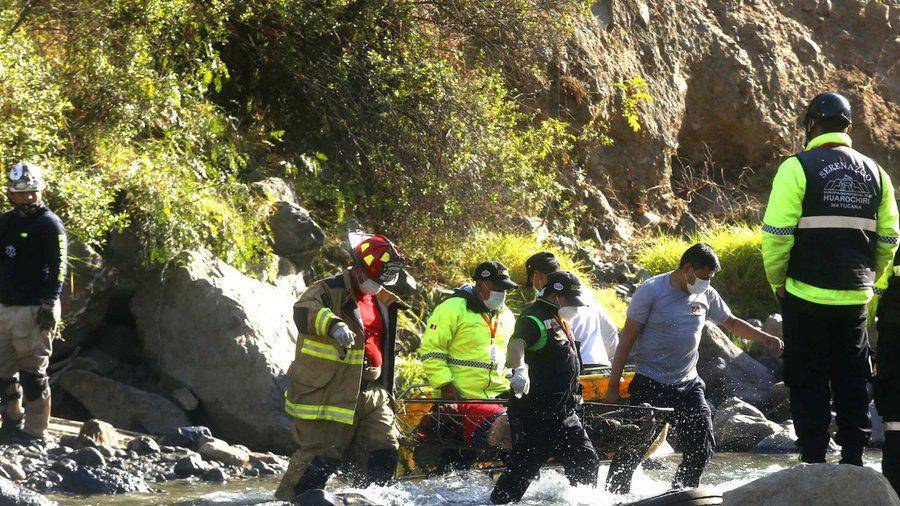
828, 106
495, 272
566, 284
544, 261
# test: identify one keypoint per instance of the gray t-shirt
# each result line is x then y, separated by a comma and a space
666, 349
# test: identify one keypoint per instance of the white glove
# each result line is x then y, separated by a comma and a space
519, 381
343, 335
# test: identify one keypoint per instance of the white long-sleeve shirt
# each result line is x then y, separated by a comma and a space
596, 332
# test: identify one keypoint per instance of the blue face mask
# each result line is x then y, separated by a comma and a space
538, 293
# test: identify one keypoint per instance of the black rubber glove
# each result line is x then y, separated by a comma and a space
45, 318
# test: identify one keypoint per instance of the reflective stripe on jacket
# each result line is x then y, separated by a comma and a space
784, 215
456, 347
325, 379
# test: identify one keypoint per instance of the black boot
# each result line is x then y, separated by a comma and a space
382, 466
317, 474
852, 455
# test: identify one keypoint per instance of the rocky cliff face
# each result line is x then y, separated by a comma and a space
730, 78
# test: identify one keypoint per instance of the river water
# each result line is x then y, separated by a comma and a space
725, 472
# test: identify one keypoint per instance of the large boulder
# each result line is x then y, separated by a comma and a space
295, 235
122, 405
740, 427
730, 372
819, 484
229, 338
274, 189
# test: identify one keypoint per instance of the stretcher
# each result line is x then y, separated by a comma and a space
430, 428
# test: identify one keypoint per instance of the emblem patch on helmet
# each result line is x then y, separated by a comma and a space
10, 251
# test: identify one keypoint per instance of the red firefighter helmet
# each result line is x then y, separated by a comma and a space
377, 256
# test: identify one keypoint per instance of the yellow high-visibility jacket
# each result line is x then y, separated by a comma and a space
458, 347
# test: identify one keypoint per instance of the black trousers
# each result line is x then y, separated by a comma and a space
887, 397
692, 421
822, 345
534, 442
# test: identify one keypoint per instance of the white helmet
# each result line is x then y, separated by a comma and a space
25, 177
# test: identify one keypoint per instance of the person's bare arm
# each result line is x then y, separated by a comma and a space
629, 335
743, 329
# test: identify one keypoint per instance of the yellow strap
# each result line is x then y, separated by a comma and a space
314, 412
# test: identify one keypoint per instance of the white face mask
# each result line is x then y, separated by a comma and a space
370, 287
567, 313
699, 286
495, 300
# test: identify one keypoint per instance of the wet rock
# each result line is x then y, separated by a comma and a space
103, 480
739, 426
820, 484
123, 405
11, 470
192, 465
11, 493
730, 372
186, 437
97, 431
107, 451
220, 451
251, 472
294, 234
144, 445
263, 469
216, 475
808, 5
741, 433
780, 442
89, 457
202, 305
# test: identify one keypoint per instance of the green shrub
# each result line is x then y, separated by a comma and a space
742, 281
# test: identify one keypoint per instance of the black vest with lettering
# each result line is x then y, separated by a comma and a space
834, 243
553, 369
889, 305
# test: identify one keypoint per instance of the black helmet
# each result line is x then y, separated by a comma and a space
828, 106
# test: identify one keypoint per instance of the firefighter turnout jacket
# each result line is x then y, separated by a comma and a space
830, 229
326, 379
465, 343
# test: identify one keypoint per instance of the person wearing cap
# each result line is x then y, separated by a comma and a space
664, 323
829, 233
464, 347
32, 268
545, 392
464, 344
593, 328
341, 379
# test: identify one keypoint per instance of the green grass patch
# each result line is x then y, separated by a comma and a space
742, 281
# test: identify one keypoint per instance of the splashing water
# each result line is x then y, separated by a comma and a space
725, 471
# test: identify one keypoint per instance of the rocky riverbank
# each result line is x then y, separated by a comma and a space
95, 458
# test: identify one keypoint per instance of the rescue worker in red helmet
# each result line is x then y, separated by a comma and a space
341, 379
